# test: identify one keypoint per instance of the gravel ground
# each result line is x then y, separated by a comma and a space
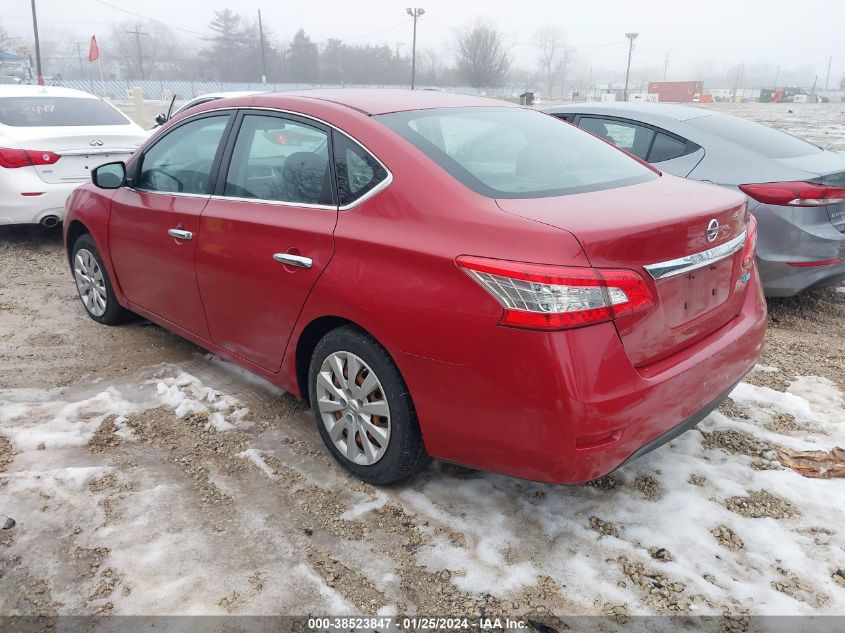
148, 477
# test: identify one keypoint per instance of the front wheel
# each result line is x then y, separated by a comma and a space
364, 411
94, 285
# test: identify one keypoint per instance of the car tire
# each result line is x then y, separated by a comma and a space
93, 284
386, 448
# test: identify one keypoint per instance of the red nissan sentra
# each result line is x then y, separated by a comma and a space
438, 275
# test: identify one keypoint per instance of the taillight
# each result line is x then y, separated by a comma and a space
554, 297
750, 248
14, 158
794, 194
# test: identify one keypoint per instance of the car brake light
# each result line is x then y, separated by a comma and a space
813, 264
555, 297
14, 158
750, 248
794, 194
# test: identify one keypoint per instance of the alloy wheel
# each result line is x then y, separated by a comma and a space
90, 282
353, 408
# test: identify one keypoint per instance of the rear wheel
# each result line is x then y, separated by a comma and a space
364, 411
93, 284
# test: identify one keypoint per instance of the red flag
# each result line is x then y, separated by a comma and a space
93, 50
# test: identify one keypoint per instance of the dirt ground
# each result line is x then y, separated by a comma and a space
147, 477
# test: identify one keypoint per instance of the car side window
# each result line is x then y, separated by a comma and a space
357, 171
666, 147
280, 159
625, 134
181, 161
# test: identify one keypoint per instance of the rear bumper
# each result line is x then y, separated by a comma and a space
18, 209
800, 234
568, 407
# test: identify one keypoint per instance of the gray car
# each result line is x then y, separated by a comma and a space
795, 189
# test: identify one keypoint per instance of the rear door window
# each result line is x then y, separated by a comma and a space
625, 134
280, 159
666, 147
58, 111
358, 172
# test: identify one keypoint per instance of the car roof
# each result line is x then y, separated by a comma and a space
668, 110
27, 90
373, 101
225, 95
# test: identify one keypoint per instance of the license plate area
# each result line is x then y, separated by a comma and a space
698, 293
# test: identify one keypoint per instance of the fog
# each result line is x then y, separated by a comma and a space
724, 43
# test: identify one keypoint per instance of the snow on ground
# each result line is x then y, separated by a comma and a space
706, 524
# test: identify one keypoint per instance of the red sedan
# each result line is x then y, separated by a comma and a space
438, 275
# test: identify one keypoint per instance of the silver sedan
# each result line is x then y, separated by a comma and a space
795, 189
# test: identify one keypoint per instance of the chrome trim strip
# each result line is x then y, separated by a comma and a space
378, 188
685, 264
168, 193
95, 152
282, 203
384, 184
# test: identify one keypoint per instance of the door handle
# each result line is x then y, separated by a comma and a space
179, 234
293, 260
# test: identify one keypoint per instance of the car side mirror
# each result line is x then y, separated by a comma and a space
109, 175
161, 119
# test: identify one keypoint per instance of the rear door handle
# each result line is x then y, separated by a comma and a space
293, 260
179, 234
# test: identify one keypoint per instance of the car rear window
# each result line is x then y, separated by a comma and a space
57, 111
755, 136
516, 153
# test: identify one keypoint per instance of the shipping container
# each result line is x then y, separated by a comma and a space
676, 91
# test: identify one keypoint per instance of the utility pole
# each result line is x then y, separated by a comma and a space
263, 54
563, 73
739, 75
414, 13
666, 66
777, 74
138, 33
631, 37
79, 54
827, 79
37, 46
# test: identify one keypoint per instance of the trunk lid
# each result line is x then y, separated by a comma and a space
80, 148
655, 223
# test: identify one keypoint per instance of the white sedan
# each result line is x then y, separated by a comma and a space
50, 139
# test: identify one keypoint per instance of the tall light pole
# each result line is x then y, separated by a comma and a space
827, 79
37, 46
414, 13
263, 54
631, 37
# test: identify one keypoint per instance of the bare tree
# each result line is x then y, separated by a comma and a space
5, 40
552, 45
152, 54
482, 58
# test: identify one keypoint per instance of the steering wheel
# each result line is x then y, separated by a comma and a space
198, 175
149, 176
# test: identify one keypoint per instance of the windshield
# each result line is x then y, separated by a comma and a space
755, 136
516, 153
57, 111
